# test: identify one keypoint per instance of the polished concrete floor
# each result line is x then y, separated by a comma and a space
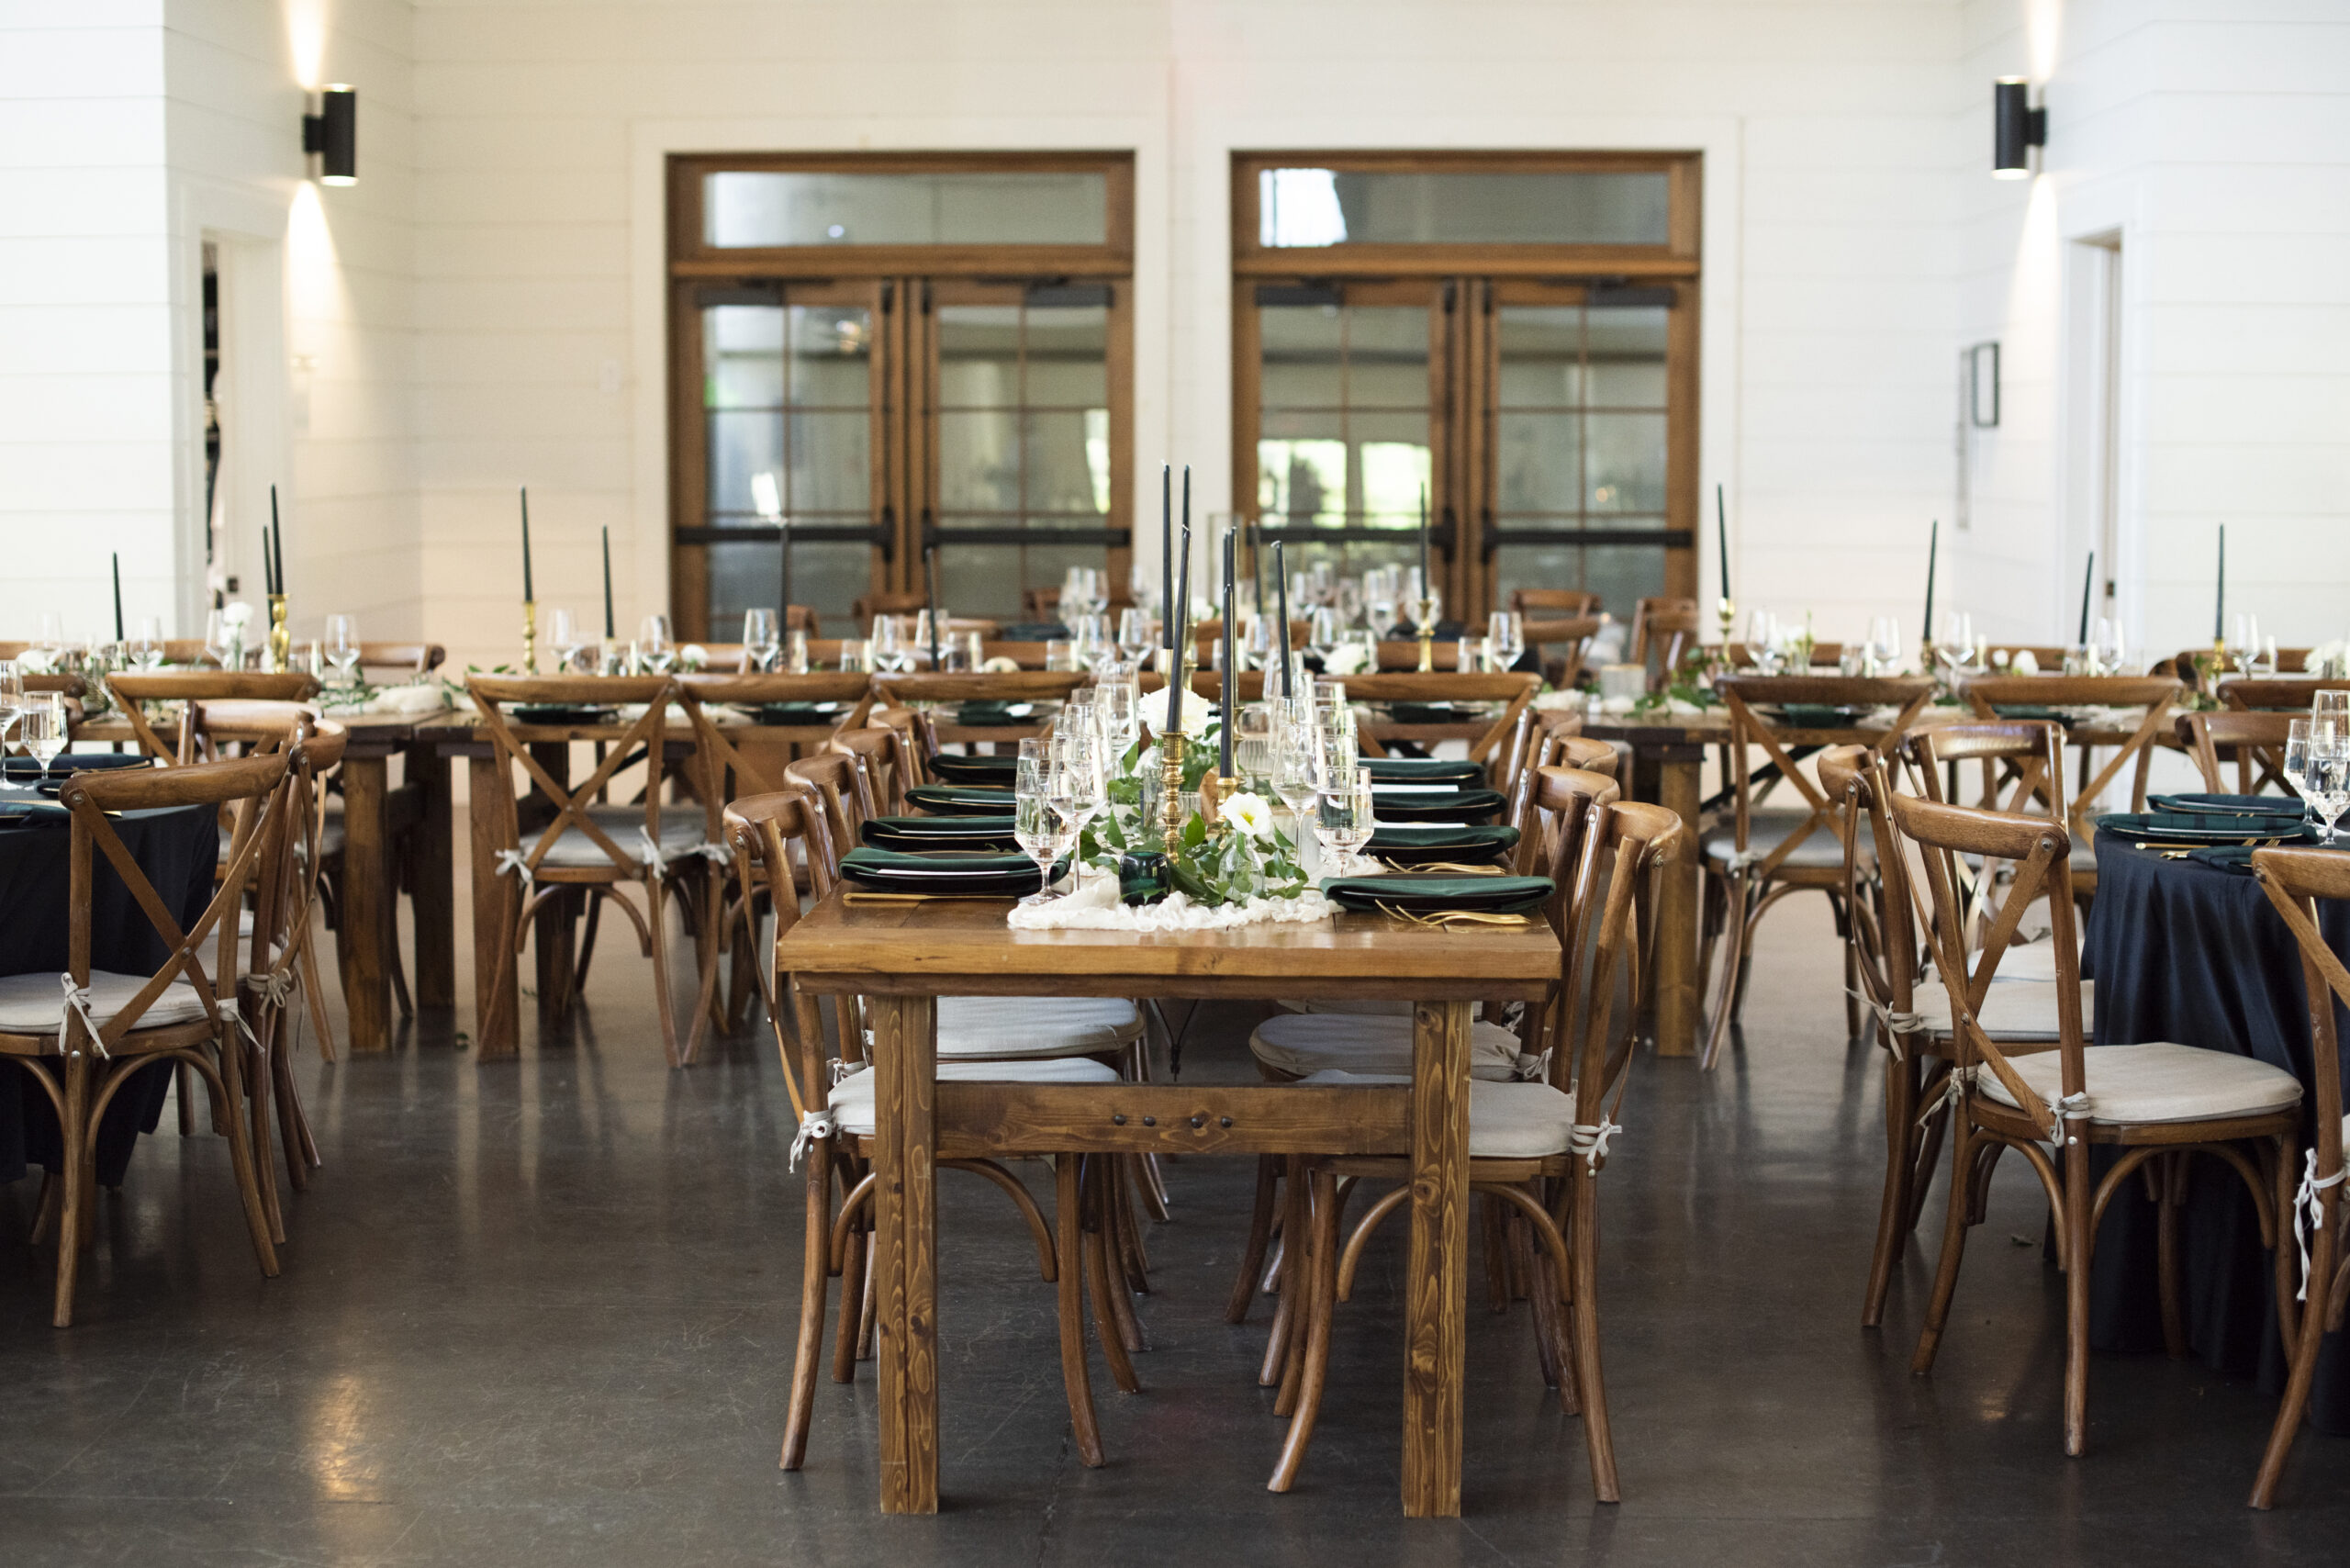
541, 1312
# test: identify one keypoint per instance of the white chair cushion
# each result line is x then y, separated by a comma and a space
35, 1004
1004, 1027
1820, 850
2023, 1011
1307, 1043
2158, 1082
1507, 1121
851, 1098
1352, 1006
681, 831
2028, 962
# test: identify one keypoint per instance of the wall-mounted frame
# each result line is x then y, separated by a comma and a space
1983, 386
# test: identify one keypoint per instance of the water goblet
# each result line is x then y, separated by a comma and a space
1343, 822
655, 651
1504, 638
762, 638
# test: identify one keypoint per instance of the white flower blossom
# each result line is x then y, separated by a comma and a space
1250, 814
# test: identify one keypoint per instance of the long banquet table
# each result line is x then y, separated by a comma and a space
903, 956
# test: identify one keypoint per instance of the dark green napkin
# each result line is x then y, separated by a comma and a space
1426, 895
797, 715
916, 834
2232, 857
2208, 828
1434, 806
26, 769
989, 712
887, 870
1425, 713
996, 772
1413, 845
26, 810
959, 800
1817, 716
2232, 805
1423, 771
2030, 711
556, 713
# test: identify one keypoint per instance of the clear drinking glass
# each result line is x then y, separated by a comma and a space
762, 638
1343, 823
2327, 781
1884, 644
1137, 634
1060, 655
655, 651
342, 648
2332, 708
1252, 743
1033, 825
2297, 764
2243, 647
1323, 631
1296, 755
1505, 638
52, 634
44, 726
1118, 707
1956, 643
218, 642
12, 699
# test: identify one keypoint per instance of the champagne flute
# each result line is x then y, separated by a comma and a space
145, 648
342, 648
655, 651
762, 638
1118, 715
1032, 820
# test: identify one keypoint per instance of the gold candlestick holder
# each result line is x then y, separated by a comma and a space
530, 636
1425, 614
1171, 789
281, 634
1726, 613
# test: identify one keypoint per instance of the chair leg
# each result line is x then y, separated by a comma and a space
1498, 1294
2170, 1182
815, 1280
1101, 1281
2323, 1254
1322, 1269
241, 1158
1955, 1227
1288, 1306
1599, 1434
400, 997
314, 992
260, 1078
868, 1304
184, 1095
657, 924
852, 1306
73, 1137
2079, 1244
1134, 1254
1068, 1241
596, 896
1260, 1231
1734, 933
1893, 1206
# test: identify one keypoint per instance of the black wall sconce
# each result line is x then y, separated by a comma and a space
2017, 128
333, 134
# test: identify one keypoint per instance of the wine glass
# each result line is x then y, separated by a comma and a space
794, 650
1032, 827
1117, 716
2243, 647
2297, 764
1067, 799
1077, 751
1956, 645
342, 648
655, 651
1343, 823
563, 637
1505, 639
52, 640
44, 724
762, 638
2327, 779
1884, 645
12, 699
1090, 634
2331, 708
1136, 635
2106, 650
144, 644
220, 640
1296, 758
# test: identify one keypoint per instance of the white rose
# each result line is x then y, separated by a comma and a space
1250, 814
2024, 663
693, 655
1344, 659
236, 614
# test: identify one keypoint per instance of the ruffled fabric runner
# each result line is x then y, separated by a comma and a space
1094, 906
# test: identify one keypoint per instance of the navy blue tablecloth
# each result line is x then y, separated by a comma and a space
2194, 954
178, 848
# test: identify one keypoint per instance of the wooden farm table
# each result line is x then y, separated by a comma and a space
372, 812
903, 956
1668, 764
497, 898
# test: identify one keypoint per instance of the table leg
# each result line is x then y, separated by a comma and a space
905, 1265
367, 927
555, 924
432, 894
1677, 981
1436, 1330
496, 1032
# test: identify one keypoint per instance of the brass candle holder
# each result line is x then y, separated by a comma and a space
530, 636
281, 635
1728, 614
1425, 612
1171, 789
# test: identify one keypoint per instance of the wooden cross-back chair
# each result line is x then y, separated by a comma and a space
2245, 694
1568, 603
2022, 763
1571, 634
2255, 741
2159, 1103
1910, 1010
411, 659
2293, 879
199, 689
1664, 631
83, 1036
836, 1120
886, 755
1987, 694
1512, 692
576, 849
1533, 1147
1765, 857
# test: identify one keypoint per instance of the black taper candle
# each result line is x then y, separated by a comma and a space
1926, 633
1425, 584
272, 571
2220, 609
268, 572
277, 544
2088, 575
783, 575
527, 595
1167, 554
118, 598
930, 595
1281, 605
1721, 536
607, 582
1228, 700
1183, 635
1257, 561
